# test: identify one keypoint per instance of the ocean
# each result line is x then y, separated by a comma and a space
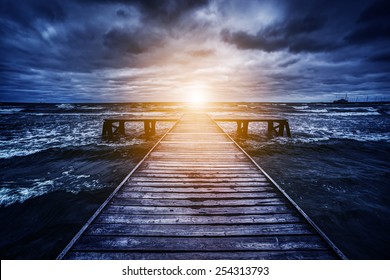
56, 169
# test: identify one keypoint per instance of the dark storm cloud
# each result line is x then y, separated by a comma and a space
167, 11
101, 48
123, 40
381, 57
372, 25
288, 63
320, 26
295, 35
70, 38
25, 11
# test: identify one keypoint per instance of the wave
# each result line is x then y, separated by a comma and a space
6, 154
352, 114
325, 112
65, 106
300, 107
67, 181
86, 107
357, 109
12, 110
316, 111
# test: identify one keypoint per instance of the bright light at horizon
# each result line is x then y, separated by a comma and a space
197, 94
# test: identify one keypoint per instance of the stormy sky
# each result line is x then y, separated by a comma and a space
155, 50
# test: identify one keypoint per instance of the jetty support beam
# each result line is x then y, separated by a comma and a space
278, 128
150, 127
116, 127
110, 128
242, 128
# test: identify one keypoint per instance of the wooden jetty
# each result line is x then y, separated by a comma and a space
276, 127
198, 195
116, 127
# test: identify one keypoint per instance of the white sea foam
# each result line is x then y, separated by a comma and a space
65, 106
86, 107
67, 181
300, 107
38, 139
313, 113
370, 109
316, 111
352, 114
11, 110
17, 153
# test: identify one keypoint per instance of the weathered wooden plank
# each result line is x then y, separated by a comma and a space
169, 219
199, 133
198, 202
197, 179
196, 190
163, 164
192, 255
194, 137
206, 173
167, 146
194, 169
199, 230
196, 175
220, 210
198, 184
195, 195
203, 143
192, 154
260, 243
230, 156
209, 159
192, 149
198, 129
200, 156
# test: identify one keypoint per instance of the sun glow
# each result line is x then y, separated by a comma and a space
197, 94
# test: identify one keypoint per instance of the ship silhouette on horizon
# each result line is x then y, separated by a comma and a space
341, 100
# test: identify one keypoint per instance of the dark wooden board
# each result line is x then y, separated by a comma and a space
199, 219
196, 230
195, 195
198, 202
258, 243
152, 189
220, 210
226, 255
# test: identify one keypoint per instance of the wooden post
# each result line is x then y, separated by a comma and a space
281, 128
121, 128
242, 128
245, 128
150, 127
153, 127
288, 130
107, 128
270, 128
239, 131
146, 127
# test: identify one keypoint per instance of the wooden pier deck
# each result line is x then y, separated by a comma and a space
198, 195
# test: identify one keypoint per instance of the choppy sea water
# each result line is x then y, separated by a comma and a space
56, 169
